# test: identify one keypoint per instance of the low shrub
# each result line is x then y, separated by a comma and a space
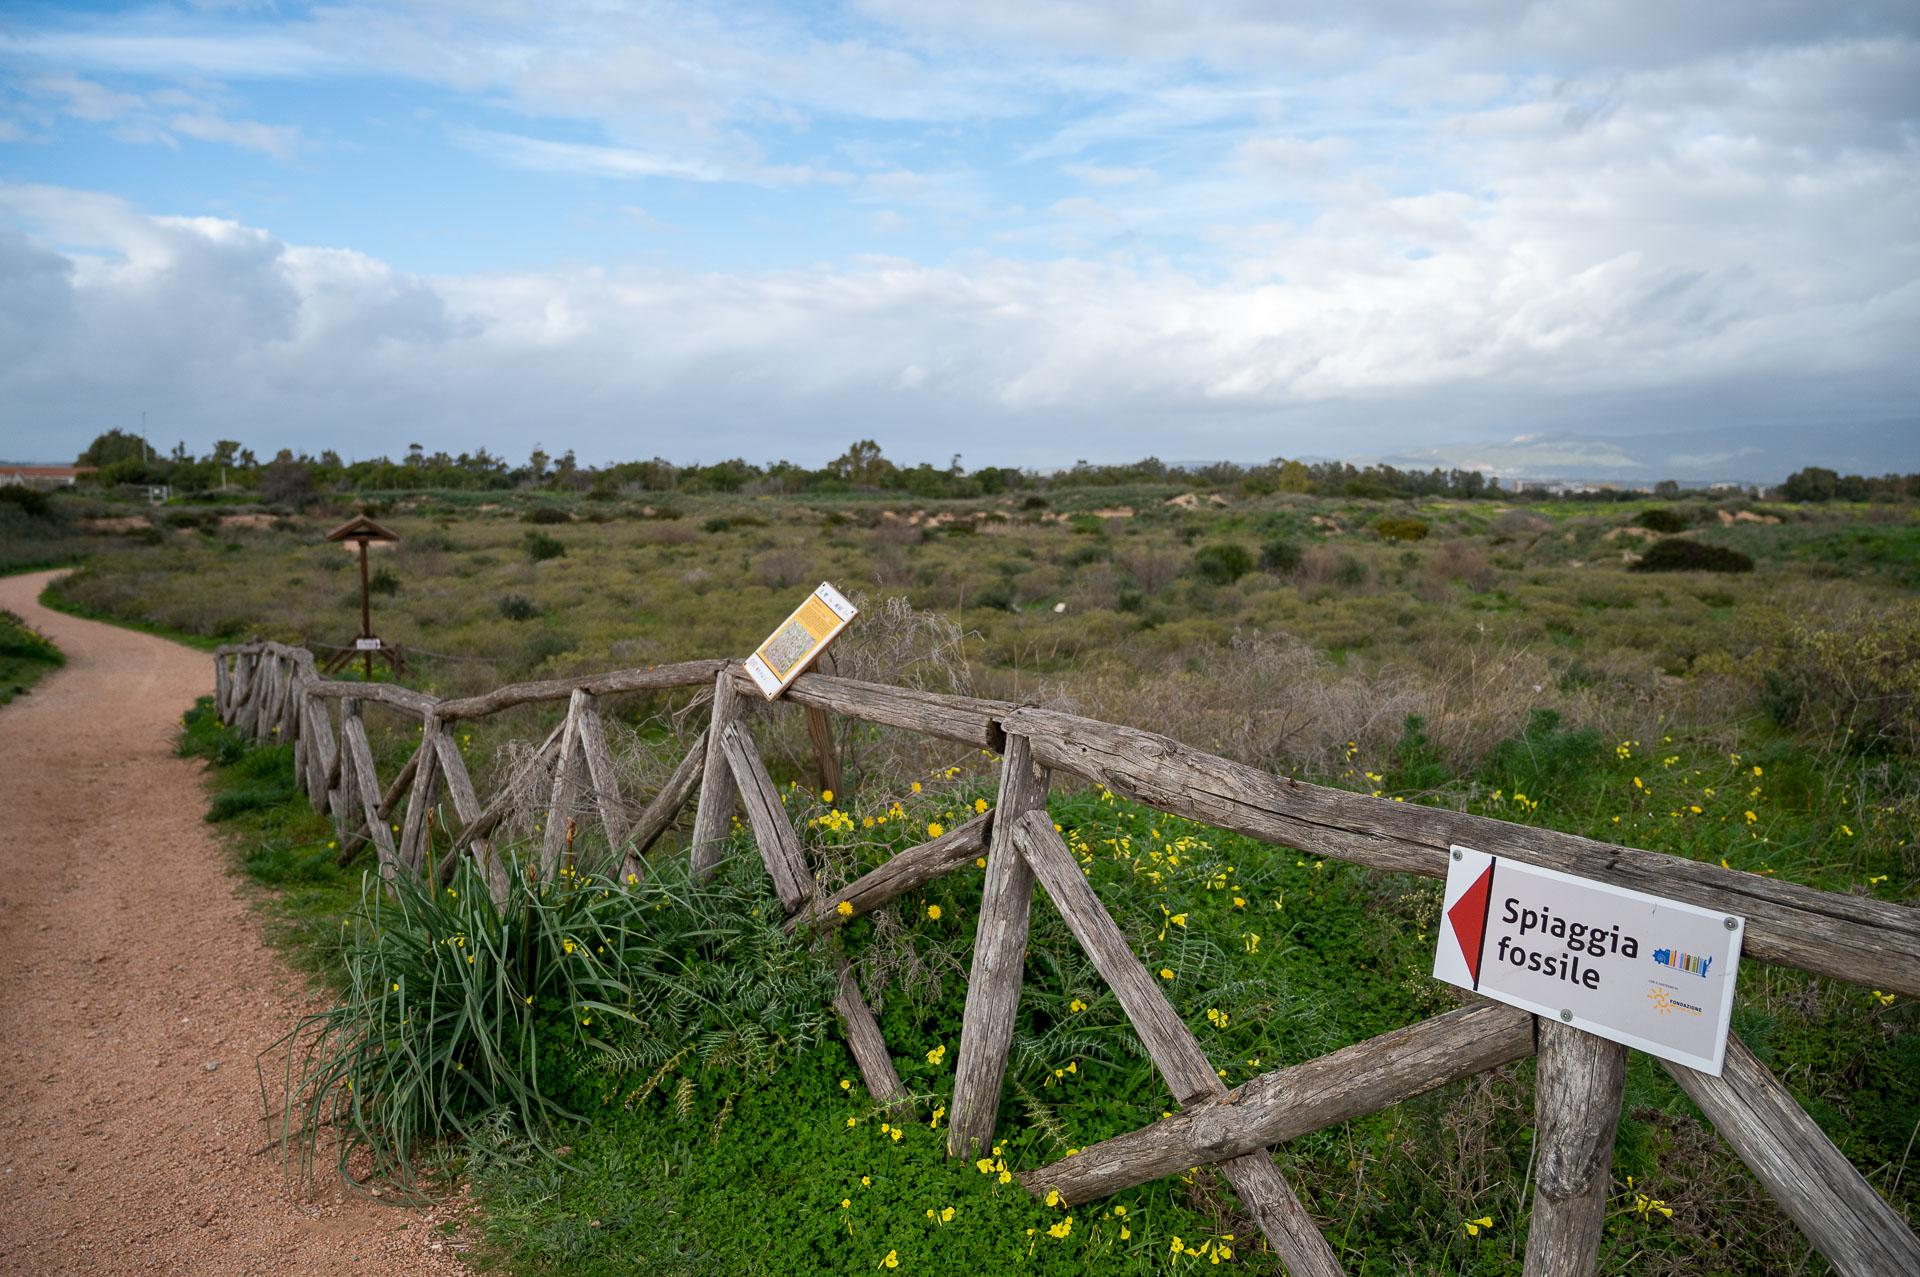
1855, 677
1663, 520
1222, 563
383, 581
1401, 528
998, 597
1280, 554
1678, 554
546, 514
25, 655
517, 607
20, 640
30, 500
541, 547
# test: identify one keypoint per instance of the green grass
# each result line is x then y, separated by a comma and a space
689, 1166
278, 841
26, 657
1550, 686
57, 597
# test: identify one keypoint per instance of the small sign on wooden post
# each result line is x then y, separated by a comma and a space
1650, 973
800, 639
358, 532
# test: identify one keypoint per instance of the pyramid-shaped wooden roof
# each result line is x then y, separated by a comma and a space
361, 528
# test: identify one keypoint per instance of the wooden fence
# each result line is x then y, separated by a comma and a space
273, 692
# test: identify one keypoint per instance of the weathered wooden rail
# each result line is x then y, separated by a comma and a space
272, 691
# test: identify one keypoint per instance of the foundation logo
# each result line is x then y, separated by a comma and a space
1682, 962
1666, 1004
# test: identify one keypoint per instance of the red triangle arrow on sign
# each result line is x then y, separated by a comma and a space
1469, 919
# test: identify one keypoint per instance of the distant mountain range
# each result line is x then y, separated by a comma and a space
1730, 454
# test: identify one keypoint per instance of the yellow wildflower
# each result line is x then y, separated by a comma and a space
933, 913
1166, 973
1472, 1227
935, 829
938, 1054
844, 908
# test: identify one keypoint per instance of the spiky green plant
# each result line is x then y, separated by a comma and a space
460, 1015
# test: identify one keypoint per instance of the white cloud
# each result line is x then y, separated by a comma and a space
1108, 175
277, 140
1505, 209
163, 117
229, 329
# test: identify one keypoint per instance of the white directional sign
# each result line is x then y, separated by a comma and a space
1654, 974
366, 645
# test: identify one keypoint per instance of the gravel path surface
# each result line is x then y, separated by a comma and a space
135, 993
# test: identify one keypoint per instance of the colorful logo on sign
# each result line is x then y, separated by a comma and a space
1666, 1004
1682, 962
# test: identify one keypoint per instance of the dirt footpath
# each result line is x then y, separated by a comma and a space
135, 992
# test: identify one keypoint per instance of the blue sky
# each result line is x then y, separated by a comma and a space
1024, 232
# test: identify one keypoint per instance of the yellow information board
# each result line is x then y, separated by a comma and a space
799, 639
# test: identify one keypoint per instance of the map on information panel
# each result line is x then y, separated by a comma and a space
799, 639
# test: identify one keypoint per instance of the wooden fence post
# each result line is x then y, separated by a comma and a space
826, 756
414, 840
779, 847
999, 955
1840, 1213
601, 778
245, 706
466, 805
1175, 1053
713, 813
322, 759
553, 843
1576, 1105
361, 781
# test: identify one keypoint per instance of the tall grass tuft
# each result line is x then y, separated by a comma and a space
461, 1017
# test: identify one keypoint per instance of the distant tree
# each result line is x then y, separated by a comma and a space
1667, 490
285, 481
861, 465
1294, 477
1815, 483
114, 446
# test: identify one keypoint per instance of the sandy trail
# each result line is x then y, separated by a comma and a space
129, 963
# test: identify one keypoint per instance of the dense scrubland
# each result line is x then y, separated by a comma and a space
1730, 680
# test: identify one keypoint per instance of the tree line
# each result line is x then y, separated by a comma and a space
288, 477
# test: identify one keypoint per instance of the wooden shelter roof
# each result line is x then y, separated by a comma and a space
361, 528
